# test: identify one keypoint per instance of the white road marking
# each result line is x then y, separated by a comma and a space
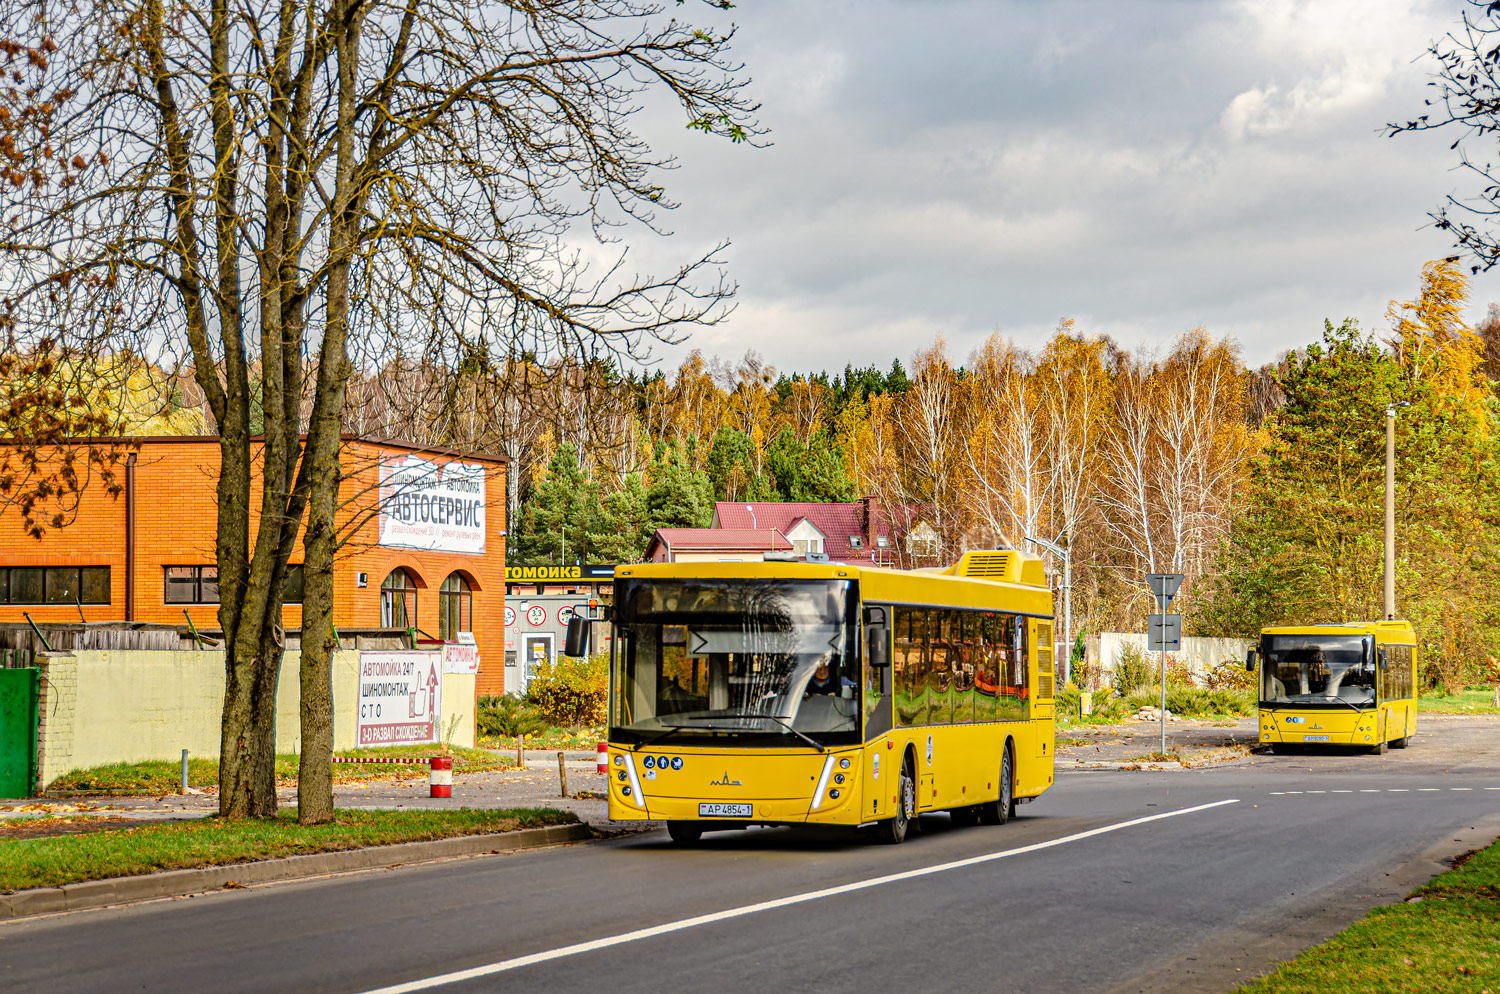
1369, 790
1317, 792
490, 969
1425, 789
1343, 792
1396, 790
1492, 788
1460, 788
1277, 793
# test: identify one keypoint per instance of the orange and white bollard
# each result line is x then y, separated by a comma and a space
603, 766
440, 779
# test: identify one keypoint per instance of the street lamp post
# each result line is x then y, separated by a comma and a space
1067, 587
1390, 508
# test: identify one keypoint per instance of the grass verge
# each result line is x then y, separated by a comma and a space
1442, 940
58, 860
156, 777
550, 738
1473, 700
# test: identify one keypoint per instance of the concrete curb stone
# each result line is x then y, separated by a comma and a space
177, 883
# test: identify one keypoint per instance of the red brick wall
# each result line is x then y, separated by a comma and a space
176, 522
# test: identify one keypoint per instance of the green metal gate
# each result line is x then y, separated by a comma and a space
19, 689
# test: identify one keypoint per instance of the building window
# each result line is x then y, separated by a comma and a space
856, 542
398, 600
200, 585
455, 607
54, 585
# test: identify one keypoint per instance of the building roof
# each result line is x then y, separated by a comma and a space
838, 522
720, 539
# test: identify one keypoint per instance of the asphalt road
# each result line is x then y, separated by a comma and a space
1237, 867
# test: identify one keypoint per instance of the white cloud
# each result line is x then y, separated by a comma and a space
950, 167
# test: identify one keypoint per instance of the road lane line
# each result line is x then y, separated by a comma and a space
1460, 788
1343, 791
1369, 790
1397, 790
490, 969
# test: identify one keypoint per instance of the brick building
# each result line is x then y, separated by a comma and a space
423, 547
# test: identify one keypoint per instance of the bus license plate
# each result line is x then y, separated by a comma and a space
723, 810
1314, 738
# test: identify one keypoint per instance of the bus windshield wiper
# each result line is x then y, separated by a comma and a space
788, 726
671, 730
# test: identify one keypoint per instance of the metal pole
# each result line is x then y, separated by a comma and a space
1390, 512
1163, 715
1068, 612
184, 772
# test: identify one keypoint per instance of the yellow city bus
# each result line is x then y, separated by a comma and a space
1349, 684
782, 693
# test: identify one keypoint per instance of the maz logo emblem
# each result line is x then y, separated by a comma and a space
726, 782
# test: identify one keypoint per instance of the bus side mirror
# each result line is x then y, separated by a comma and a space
1380, 657
577, 643
1250, 659
878, 639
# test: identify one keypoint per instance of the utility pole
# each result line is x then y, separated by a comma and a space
1067, 589
1390, 508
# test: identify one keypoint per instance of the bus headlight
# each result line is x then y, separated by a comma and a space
843, 765
834, 793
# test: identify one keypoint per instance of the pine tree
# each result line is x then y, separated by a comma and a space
559, 515
679, 496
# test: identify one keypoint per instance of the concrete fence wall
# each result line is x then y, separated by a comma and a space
113, 706
1200, 654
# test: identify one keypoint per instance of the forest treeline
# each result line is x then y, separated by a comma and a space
1264, 486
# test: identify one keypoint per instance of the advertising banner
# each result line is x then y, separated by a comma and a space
400, 697
461, 658
429, 505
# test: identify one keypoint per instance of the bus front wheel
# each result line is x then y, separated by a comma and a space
892, 831
1003, 808
684, 833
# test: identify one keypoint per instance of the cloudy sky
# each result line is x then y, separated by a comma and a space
1142, 166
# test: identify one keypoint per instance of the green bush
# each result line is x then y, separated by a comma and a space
1133, 670
506, 717
571, 691
1193, 702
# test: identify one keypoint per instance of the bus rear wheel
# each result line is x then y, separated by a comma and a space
892, 831
1003, 808
684, 833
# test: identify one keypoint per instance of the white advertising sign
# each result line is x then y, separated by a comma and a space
429, 505
400, 697
460, 659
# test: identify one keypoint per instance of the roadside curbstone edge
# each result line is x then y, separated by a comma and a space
179, 883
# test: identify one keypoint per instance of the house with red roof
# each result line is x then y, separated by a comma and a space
861, 533
715, 545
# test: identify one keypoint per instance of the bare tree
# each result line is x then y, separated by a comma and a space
278, 194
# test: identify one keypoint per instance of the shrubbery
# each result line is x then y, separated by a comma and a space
571, 691
507, 717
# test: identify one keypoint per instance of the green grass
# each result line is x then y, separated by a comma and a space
56, 860
165, 777
1447, 942
1469, 701
550, 738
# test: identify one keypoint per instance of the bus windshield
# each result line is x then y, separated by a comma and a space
742, 658
1317, 669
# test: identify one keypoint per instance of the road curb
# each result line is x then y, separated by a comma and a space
178, 883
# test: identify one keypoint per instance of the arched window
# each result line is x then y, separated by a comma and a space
398, 600
455, 607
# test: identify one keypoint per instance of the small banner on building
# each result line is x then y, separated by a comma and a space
400, 697
429, 505
462, 657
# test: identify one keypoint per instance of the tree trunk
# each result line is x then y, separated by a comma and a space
319, 639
